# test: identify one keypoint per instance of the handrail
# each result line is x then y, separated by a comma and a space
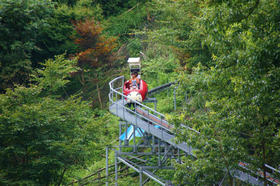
272, 168
115, 90
140, 115
156, 89
139, 104
134, 101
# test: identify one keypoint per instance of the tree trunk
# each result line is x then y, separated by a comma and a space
99, 96
230, 179
82, 80
61, 177
226, 162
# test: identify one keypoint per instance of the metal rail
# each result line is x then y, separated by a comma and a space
160, 88
115, 92
96, 176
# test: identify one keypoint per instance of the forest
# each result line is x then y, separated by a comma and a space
57, 58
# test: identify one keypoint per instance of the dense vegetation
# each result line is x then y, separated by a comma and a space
56, 58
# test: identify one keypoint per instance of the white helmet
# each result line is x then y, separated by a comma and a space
135, 96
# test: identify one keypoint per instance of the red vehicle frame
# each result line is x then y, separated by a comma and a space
143, 88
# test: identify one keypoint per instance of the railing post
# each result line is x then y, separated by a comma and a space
140, 176
107, 171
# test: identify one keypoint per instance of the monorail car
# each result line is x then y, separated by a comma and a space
139, 93
135, 94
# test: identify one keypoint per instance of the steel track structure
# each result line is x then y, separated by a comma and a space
157, 144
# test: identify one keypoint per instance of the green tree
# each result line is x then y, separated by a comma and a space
68, 2
175, 24
20, 23
114, 7
42, 135
32, 31
235, 95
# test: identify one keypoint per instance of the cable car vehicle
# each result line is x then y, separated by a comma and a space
135, 93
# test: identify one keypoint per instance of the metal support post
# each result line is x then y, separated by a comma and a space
123, 107
153, 143
159, 162
140, 176
126, 140
116, 168
134, 142
120, 133
174, 94
107, 171
117, 106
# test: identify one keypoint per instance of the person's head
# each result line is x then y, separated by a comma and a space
134, 74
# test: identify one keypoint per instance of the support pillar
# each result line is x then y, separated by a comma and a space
174, 94
159, 161
107, 171
141, 176
153, 143
120, 133
116, 168
126, 140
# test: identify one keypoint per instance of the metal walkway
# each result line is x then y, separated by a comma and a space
147, 124
147, 119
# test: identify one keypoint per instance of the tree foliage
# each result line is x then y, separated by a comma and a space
68, 2
32, 31
224, 54
20, 23
114, 7
235, 92
97, 50
97, 57
41, 136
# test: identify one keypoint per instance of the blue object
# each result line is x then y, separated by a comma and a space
138, 133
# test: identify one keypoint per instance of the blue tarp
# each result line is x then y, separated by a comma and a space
138, 133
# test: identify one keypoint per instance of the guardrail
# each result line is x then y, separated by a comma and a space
117, 98
160, 88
